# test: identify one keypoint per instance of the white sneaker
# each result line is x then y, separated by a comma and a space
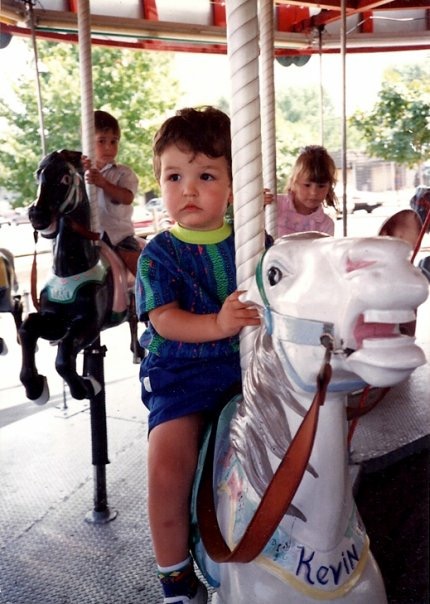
201, 597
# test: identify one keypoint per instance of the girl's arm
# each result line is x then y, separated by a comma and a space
173, 323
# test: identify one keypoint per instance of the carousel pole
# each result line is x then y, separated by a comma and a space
243, 51
267, 96
38, 86
93, 355
343, 126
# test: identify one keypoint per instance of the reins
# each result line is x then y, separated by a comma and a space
279, 493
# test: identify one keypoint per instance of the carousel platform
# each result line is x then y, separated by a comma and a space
53, 551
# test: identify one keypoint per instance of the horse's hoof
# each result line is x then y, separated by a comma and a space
139, 353
44, 396
94, 387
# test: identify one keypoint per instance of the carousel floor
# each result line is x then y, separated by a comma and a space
52, 551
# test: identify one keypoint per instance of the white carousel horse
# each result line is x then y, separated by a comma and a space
317, 294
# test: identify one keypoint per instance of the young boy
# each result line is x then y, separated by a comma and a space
117, 186
186, 286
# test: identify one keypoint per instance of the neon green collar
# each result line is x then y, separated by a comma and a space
201, 237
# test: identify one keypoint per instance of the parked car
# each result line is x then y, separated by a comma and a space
357, 200
365, 204
151, 217
20, 216
156, 203
5, 220
142, 218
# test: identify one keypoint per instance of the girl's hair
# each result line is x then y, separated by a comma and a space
314, 164
104, 122
201, 130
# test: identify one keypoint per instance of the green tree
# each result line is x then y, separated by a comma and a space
298, 123
398, 126
135, 86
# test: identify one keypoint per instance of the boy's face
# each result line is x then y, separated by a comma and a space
196, 189
107, 144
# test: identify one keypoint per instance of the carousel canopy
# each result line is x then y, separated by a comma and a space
303, 27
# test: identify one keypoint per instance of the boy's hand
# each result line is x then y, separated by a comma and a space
235, 314
94, 177
86, 162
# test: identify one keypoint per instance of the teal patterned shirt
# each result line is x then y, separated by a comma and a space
195, 268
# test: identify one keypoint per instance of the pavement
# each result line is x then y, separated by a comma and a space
56, 549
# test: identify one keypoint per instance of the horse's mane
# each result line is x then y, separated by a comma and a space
260, 425
61, 156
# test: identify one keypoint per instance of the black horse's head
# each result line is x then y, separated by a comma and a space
61, 189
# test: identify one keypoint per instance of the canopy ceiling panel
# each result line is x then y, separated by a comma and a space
302, 26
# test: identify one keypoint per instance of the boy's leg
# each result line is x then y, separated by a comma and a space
172, 458
130, 258
129, 251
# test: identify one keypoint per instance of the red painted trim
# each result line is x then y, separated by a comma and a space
149, 10
194, 48
289, 17
73, 6
366, 27
219, 16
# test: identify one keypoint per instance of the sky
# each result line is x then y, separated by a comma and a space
362, 82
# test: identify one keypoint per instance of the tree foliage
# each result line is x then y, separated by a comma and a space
398, 127
135, 86
298, 123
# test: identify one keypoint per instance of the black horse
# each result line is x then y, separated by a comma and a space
88, 290
10, 299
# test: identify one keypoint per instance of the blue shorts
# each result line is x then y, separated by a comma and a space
172, 388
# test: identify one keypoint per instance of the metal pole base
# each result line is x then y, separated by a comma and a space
103, 517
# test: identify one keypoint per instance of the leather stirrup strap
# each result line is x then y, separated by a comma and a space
353, 413
33, 276
275, 500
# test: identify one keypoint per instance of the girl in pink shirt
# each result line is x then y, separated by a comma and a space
311, 187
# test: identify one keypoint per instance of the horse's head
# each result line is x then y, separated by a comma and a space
61, 189
355, 292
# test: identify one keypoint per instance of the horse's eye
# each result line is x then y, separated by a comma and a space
274, 275
66, 179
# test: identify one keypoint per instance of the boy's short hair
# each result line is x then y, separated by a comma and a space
199, 130
104, 122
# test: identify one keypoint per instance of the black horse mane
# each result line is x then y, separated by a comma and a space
63, 155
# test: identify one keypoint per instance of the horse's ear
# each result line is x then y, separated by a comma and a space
74, 157
405, 224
